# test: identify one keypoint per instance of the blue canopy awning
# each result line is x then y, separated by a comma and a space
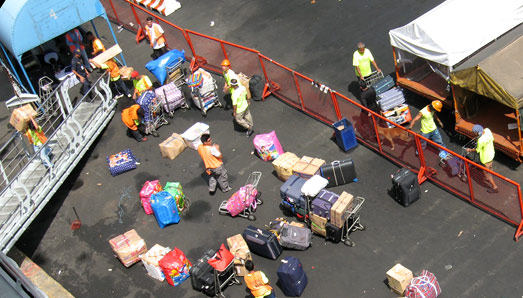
26, 24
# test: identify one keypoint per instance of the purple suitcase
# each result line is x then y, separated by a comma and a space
322, 203
170, 96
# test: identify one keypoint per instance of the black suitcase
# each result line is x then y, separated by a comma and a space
405, 187
202, 274
262, 242
339, 172
333, 233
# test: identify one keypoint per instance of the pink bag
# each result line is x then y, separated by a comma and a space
424, 286
149, 188
242, 199
267, 146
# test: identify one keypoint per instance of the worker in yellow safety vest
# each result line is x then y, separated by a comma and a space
257, 282
155, 34
428, 127
141, 84
98, 46
361, 60
485, 149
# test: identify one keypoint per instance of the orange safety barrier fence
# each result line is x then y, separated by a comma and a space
330, 106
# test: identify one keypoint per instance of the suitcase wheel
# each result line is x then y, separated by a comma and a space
251, 217
349, 243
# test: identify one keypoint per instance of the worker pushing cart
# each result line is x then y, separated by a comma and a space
153, 114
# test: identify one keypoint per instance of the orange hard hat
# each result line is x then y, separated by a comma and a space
437, 105
226, 62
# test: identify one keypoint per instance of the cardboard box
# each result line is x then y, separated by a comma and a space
150, 261
307, 167
172, 146
399, 115
339, 210
318, 224
399, 278
125, 72
108, 54
297, 224
283, 165
239, 248
193, 134
21, 117
244, 80
128, 247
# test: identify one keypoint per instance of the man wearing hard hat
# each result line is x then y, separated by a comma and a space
228, 75
428, 127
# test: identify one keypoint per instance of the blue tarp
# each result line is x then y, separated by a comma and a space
26, 24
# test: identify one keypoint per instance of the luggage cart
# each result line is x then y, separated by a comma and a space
225, 278
153, 113
205, 95
175, 72
450, 161
352, 223
373, 78
250, 185
171, 97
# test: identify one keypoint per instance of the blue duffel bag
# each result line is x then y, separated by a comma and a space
164, 208
159, 66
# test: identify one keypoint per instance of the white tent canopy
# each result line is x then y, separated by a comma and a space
456, 29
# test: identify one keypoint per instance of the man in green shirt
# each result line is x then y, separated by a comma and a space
361, 61
485, 149
240, 105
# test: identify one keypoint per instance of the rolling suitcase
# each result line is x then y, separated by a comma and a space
405, 187
322, 203
170, 97
333, 232
292, 277
384, 85
262, 242
339, 172
295, 237
290, 191
391, 99
202, 274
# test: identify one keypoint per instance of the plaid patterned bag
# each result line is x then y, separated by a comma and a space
424, 286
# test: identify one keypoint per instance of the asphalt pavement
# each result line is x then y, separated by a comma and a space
471, 253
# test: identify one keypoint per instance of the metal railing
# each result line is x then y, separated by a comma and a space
329, 106
71, 127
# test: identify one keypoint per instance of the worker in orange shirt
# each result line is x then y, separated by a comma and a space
132, 118
116, 82
212, 159
98, 46
155, 34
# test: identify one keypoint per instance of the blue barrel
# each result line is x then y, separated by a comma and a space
345, 136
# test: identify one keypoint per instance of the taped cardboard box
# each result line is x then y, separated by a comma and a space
239, 248
244, 80
172, 146
21, 117
339, 210
297, 224
399, 278
150, 261
318, 224
284, 164
128, 247
307, 167
108, 54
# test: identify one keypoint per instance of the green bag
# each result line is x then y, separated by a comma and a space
176, 190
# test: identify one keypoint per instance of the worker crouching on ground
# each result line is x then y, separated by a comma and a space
212, 160
257, 282
36, 137
485, 149
428, 127
240, 105
141, 84
132, 118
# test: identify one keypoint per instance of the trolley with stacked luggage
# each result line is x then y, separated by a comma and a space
171, 98
204, 90
244, 202
153, 114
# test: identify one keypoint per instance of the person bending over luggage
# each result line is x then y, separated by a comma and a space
368, 97
485, 149
141, 84
257, 282
116, 83
212, 160
132, 118
240, 105
428, 127
361, 60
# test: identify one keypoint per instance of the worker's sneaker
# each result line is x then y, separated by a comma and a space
155, 134
118, 96
143, 139
493, 190
249, 132
227, 189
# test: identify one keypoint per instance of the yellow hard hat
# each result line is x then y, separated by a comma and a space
437, 105
226, 62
